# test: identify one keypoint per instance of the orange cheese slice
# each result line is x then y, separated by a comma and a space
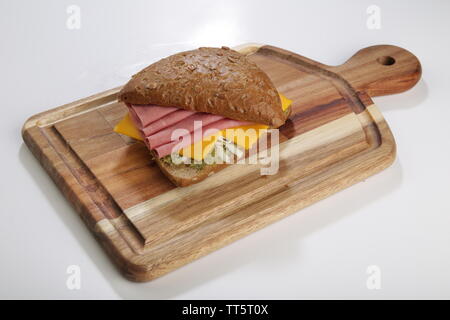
126, 127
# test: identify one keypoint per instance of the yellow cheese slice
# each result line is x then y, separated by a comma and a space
126, 127
200, 149
285, 102
243, 136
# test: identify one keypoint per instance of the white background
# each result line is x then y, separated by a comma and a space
398, 220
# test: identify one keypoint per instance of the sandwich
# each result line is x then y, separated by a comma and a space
193, 110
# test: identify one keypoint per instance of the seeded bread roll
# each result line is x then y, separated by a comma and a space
214, 80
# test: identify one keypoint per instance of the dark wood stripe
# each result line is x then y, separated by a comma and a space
315, 117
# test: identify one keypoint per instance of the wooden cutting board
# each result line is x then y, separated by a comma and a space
334, 138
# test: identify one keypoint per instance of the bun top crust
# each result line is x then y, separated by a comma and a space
214, 80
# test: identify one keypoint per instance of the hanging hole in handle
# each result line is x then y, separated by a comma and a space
386, 61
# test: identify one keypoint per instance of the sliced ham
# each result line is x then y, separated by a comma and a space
143, 115
165, 136
197, 135
166, 121
156, 124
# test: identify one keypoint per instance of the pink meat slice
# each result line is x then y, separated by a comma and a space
165, 136
166, 121
197, 135
157, 124
143, 115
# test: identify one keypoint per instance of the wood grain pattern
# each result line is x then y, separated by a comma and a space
334, 138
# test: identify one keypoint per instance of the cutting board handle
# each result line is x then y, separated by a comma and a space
381, 70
